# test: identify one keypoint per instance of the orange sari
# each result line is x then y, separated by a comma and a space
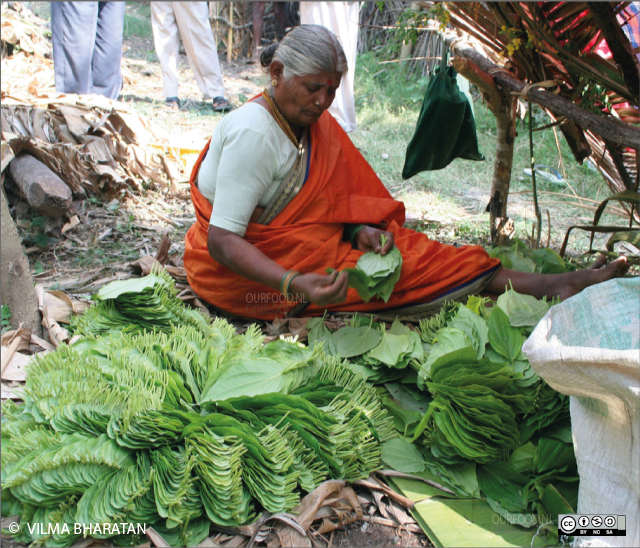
306, 236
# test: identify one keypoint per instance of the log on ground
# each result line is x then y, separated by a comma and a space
46, 193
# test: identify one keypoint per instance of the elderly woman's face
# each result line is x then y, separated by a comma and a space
302, 99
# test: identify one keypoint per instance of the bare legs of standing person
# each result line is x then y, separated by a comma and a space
258, 18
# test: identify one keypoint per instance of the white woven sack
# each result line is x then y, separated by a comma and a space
589, 348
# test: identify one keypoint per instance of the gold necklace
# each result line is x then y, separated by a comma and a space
282, 122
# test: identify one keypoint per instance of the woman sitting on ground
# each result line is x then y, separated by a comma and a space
281, 194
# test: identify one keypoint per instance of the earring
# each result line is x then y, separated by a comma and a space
317, 104
274, 83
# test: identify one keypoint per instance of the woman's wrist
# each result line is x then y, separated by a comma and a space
351, 231
296, 287
285, 282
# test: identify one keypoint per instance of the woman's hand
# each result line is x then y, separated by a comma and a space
321, 290
368, 239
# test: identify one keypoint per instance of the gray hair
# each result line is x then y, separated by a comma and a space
307, 49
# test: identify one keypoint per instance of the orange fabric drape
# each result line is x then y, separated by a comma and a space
340, 188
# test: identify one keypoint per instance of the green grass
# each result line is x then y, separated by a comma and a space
388, 103
137, 20
6, 319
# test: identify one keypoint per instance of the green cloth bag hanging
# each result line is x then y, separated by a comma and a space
446, 129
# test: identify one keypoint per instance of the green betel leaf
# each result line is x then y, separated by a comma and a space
448, 340
402, 456
503, 484
248, 377
522, 310
521, 460
554, 454
132, 285
376, 274
360, 282
376, 265
398, 328
504, 339
549, 261
527, 520
461, 477
318, 332
554, 503
391, 348
385, 289
474, 326
353, 341
404, 420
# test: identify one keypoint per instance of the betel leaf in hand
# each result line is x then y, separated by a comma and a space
375, 275
362, 283
504, 339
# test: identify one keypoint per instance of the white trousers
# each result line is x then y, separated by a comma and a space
342, 19
191, 19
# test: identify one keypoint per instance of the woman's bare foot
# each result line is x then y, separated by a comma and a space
557, 285
598, 273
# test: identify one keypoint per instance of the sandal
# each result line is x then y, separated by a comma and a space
172, 103
220, 104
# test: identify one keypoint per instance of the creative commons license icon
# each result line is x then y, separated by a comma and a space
568, 524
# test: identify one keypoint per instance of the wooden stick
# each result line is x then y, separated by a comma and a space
404, 501
8, 355
230, 35
608, 128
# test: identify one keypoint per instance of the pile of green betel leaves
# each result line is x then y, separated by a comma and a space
177, 428
157, 415
467, 403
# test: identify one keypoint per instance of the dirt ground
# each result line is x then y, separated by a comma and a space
365, 535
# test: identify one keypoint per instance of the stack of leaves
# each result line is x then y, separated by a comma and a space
148, 303
180, 428
492, 428
375, 275
375, 353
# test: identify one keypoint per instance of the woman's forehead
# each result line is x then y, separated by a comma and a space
322, 78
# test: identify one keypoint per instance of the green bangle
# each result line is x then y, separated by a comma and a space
352, 236
286, 289
282, 280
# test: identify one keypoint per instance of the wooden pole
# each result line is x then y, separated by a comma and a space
503, 106
230, 35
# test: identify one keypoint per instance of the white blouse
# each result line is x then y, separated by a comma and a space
248, 158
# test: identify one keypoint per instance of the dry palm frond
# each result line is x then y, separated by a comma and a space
559, 41
92, 143
22, 30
